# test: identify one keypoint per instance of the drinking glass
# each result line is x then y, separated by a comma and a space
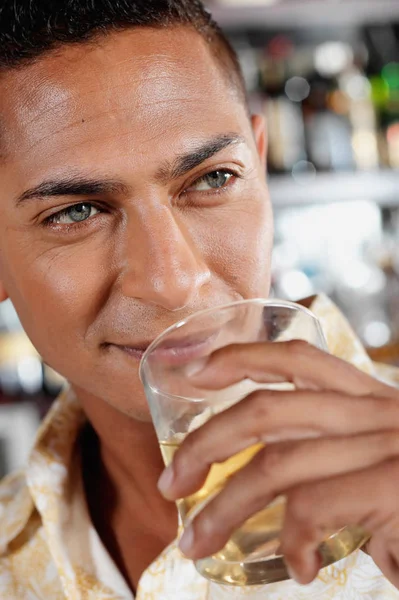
178, 408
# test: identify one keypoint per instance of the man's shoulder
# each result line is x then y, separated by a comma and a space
16, 507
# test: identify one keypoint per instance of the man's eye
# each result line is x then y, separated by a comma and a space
212, 181
74, 214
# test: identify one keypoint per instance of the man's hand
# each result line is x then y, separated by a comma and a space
334, 454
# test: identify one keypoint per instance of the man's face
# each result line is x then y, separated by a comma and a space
133, 194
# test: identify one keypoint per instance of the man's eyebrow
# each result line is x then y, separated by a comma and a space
185, 163
83, 186
73, 186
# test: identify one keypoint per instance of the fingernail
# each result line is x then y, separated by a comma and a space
292, 574
166, 480
196, 367
187, 540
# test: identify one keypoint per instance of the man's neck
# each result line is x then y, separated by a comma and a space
121, 467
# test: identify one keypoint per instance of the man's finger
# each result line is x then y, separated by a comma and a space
266, 417
365, 499
276, 469
297, 361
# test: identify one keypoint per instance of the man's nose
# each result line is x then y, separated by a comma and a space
163, 266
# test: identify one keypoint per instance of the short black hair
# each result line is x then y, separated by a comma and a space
30, 29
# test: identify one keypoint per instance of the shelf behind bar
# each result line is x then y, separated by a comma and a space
305, 13
381, 187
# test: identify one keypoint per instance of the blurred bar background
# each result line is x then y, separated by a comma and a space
325, 73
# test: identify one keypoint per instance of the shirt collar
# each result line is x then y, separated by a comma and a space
341, 338
55, 481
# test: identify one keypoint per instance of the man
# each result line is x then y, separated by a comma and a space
133, 194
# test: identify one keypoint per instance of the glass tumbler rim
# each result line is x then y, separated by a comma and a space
255, 301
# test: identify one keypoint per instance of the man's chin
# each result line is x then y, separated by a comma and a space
112, 403
143, 415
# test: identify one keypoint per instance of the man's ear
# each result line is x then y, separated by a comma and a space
259, 129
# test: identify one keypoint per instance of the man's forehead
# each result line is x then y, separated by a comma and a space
136, 77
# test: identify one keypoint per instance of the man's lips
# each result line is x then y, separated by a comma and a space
134, 352
176, 352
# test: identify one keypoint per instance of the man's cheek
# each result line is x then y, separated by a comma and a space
54, 301
244, 254
69, 277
